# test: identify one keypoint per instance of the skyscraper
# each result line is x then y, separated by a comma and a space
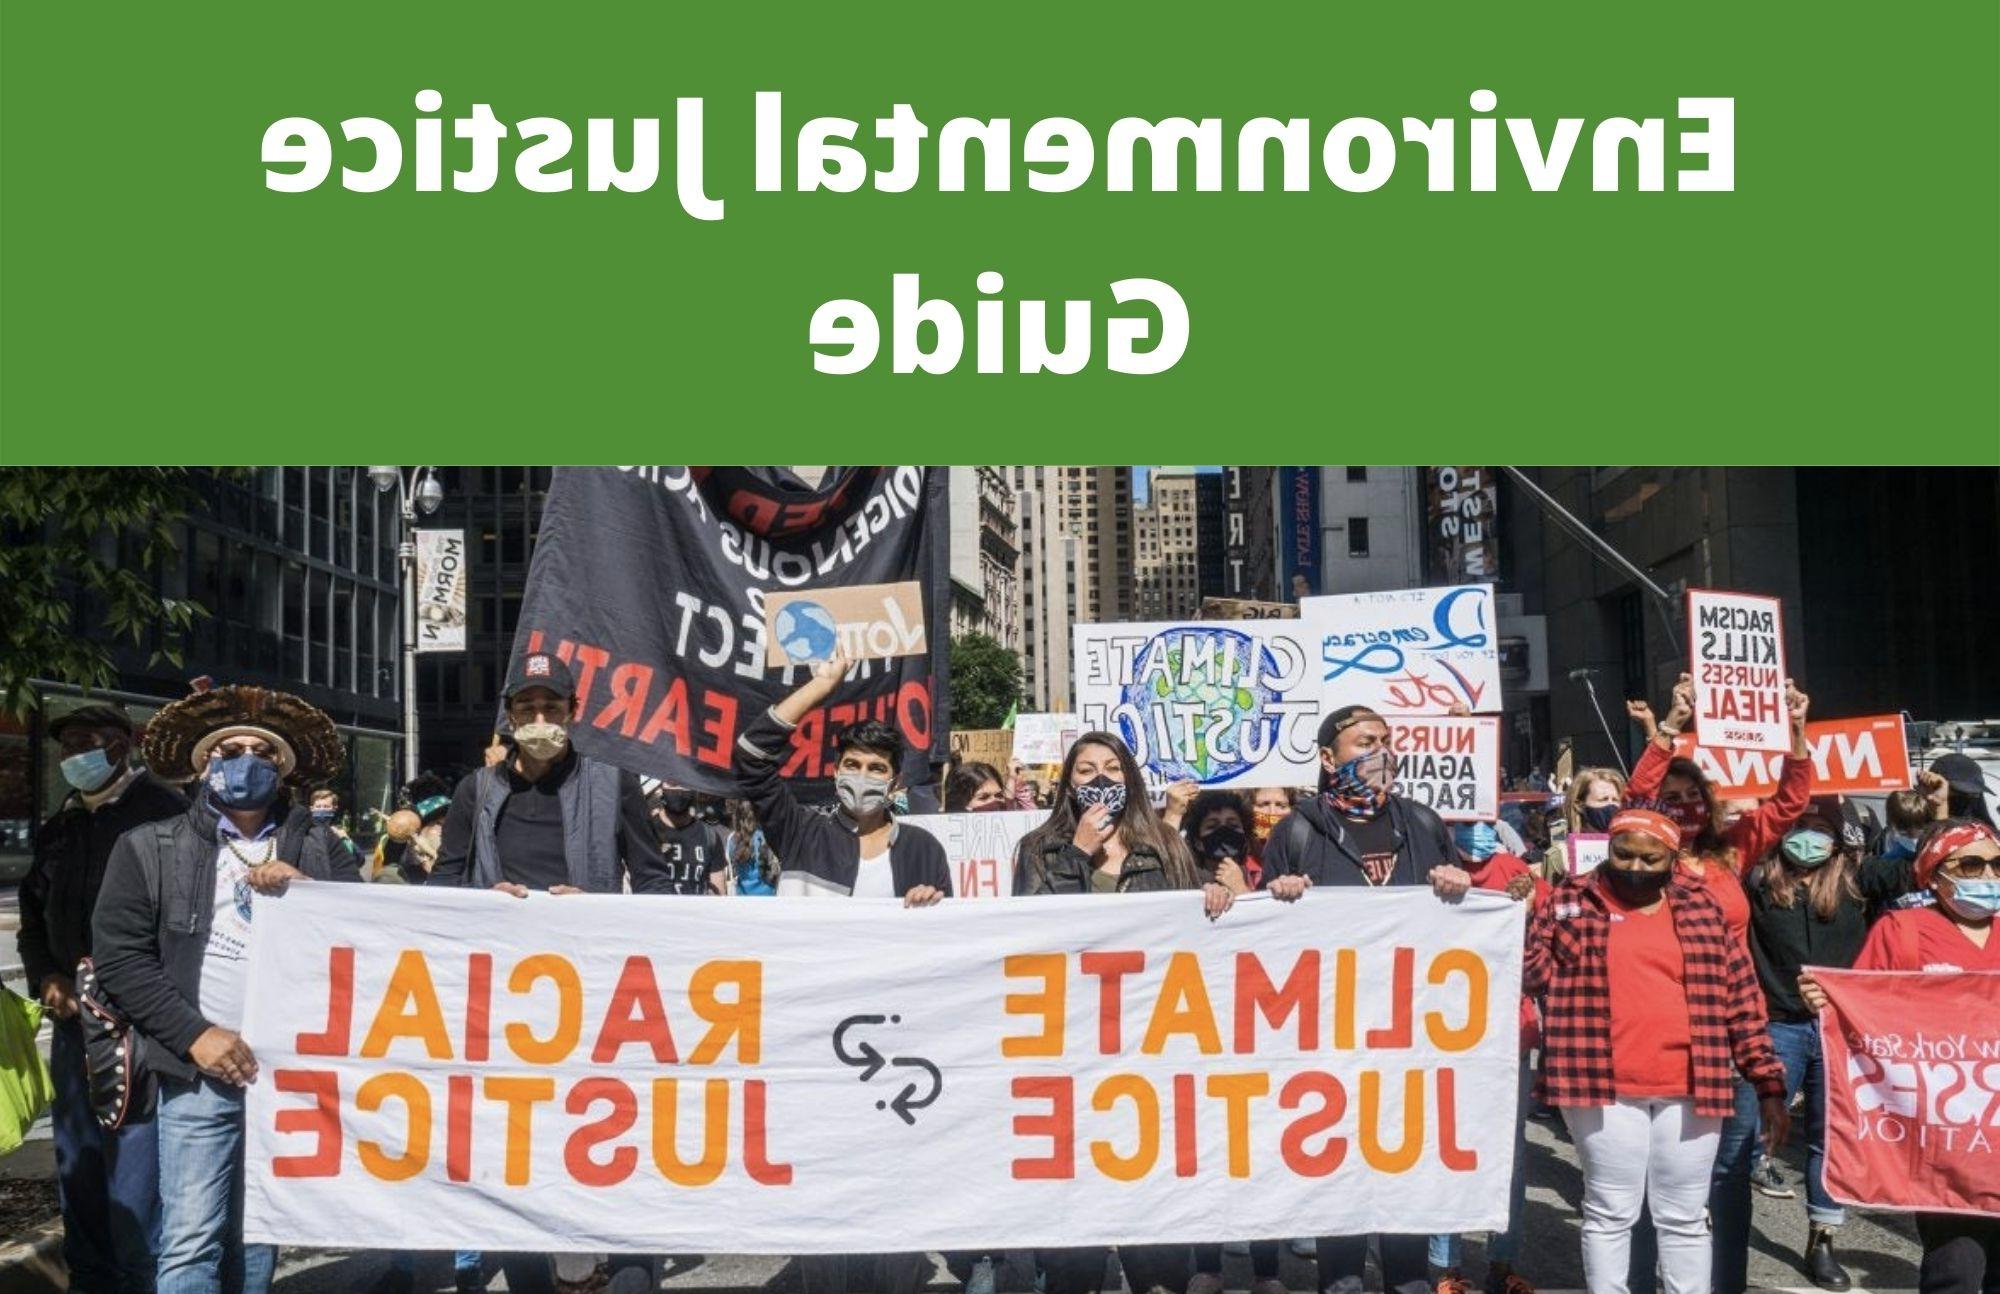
1166, 581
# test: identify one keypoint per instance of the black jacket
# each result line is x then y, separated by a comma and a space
823, 845
1313, 842
60, 890
1065, 869
151, 927
1784, 940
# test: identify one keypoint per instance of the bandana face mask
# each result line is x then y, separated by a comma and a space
1101, 790
1360, 787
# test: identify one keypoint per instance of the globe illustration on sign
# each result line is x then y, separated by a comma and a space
1220, 673
806, 631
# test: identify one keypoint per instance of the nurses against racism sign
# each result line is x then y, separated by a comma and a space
651, 582
1912, 1089
1407, 651
979, 846
775, 1077
1849, 756
1220, 703
1451, 764
1736, 654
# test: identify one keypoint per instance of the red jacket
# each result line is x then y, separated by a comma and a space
1754, 834
1568, 938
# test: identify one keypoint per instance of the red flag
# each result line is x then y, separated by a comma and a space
1913, 1089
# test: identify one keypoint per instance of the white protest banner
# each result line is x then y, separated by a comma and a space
1862, 756
1736, 653
979, 846
1044, 738
1223, 704
440, 590
1587, 851
1450, 763
1407, 651
447, 1069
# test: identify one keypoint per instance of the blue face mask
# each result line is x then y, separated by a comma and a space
1975, 900
1897, 845
324, 815
87, 771
1478, 841
242, 781
1807, 849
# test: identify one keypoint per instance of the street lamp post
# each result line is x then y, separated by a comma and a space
421, 491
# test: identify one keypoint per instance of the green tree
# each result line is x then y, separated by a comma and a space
985, 681
52, 522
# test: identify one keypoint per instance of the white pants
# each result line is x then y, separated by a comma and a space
1634, 1152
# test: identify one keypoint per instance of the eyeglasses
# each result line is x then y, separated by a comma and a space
1969, 868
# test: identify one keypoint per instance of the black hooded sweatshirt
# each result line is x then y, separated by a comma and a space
1317, 843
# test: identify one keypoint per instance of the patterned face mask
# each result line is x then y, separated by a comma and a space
1101, 790
1360, 787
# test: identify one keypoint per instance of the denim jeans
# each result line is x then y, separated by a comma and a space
109, 1182
1797, 1044
1728, 1207
1501, 1246
201, 1194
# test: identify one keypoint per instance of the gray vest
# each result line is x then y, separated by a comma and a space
589, 802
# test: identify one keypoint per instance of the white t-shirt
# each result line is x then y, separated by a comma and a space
874, 880
225, 965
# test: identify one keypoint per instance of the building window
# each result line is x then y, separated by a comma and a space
1357, 473
1357, 536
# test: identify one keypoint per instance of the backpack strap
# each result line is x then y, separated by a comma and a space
1298, 836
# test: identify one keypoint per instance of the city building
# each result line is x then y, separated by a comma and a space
1369, 522
1053, 586
1210, 520
1166, 570
297, 570
1249, 534
985, 555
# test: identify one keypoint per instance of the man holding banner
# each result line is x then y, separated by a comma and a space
1912, 1076
1357, 831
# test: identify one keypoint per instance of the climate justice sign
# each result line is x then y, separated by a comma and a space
469, 1070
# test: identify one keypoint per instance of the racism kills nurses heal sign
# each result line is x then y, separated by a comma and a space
1736, 655
463, 1069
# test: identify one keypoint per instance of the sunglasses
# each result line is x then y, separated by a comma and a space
1970, 869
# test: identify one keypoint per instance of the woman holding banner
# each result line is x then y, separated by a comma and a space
1650, 1010
1715, 853
1104, 837
1810, 900
1959, 862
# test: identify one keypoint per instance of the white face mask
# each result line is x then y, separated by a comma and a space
542, 741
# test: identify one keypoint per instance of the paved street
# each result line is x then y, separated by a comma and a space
1880, 1249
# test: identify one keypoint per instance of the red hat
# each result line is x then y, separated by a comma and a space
1943, 844
1647, 822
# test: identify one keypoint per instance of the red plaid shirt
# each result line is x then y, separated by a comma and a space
1566, 963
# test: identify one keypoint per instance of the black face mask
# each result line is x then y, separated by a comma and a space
677, 802
1223, 842
1635, 888
1597, 817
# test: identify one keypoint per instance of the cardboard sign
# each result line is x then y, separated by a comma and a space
1409, 651
993, 746
1222, 703
1850, 757
1736, 653
1587, 851
1912, 1066
1245, 609
458, 1069
979, 846
1451, 764
1044, 738
862, 621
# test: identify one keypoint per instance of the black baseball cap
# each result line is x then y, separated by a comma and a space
98, 714
540, 669
1341, 720
1961, 773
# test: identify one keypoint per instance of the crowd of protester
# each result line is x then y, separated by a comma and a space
1668, 1015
